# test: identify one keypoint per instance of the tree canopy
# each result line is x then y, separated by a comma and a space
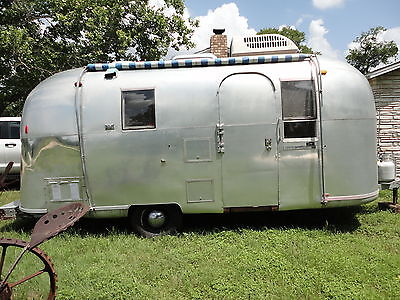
371, 51
39, 38
298, 37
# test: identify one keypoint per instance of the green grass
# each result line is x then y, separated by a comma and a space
351, 253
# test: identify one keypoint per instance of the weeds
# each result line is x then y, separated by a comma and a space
338, 253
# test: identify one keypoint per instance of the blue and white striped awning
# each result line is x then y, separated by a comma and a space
199, 62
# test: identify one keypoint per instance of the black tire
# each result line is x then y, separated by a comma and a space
139, 217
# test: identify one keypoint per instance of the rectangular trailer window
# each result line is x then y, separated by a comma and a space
298, 108
138, 109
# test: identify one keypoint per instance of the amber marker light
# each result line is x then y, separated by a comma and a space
323, 72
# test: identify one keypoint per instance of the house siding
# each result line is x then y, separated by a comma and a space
386, 89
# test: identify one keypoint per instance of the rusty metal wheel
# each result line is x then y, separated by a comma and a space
34, 275
33, 278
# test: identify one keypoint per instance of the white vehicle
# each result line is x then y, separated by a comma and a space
10, 144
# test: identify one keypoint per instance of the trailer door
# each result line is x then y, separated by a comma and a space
246, 141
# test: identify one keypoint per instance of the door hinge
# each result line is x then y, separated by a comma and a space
268, 144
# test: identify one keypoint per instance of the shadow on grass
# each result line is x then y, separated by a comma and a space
334, 220
82, 227
12, 186
19, 225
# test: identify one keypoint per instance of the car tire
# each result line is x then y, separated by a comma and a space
152, 221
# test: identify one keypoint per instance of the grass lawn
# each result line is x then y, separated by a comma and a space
351, 253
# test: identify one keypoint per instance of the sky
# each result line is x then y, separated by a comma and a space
330, 25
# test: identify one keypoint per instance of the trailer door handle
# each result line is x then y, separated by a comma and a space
11, 145
278, 131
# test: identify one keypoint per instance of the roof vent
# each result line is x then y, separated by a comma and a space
262, 44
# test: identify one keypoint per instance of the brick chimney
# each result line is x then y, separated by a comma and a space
219, 44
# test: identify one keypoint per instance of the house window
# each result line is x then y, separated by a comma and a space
138, 109
298, 108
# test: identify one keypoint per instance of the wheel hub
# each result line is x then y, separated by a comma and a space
156, 219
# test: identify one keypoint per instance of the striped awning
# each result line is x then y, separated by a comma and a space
200, 62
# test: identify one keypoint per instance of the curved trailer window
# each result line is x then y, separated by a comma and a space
138, 109
298, 108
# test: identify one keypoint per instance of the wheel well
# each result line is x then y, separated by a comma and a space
155, 220
172, 205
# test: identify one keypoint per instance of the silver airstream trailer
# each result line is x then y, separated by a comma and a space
272, 130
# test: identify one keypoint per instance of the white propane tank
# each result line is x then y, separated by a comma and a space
386, 169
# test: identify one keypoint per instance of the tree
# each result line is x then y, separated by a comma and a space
298, 37
39, 38
371, 51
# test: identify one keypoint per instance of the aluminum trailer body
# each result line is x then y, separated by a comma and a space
280, 132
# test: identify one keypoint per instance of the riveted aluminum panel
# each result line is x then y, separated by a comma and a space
46, 158
152, 165
349, 132
350, 158
49, 109
50, 147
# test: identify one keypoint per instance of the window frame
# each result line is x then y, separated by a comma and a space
312, 123
123, 106
301, 119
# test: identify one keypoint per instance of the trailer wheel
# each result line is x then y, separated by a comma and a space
151, 221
